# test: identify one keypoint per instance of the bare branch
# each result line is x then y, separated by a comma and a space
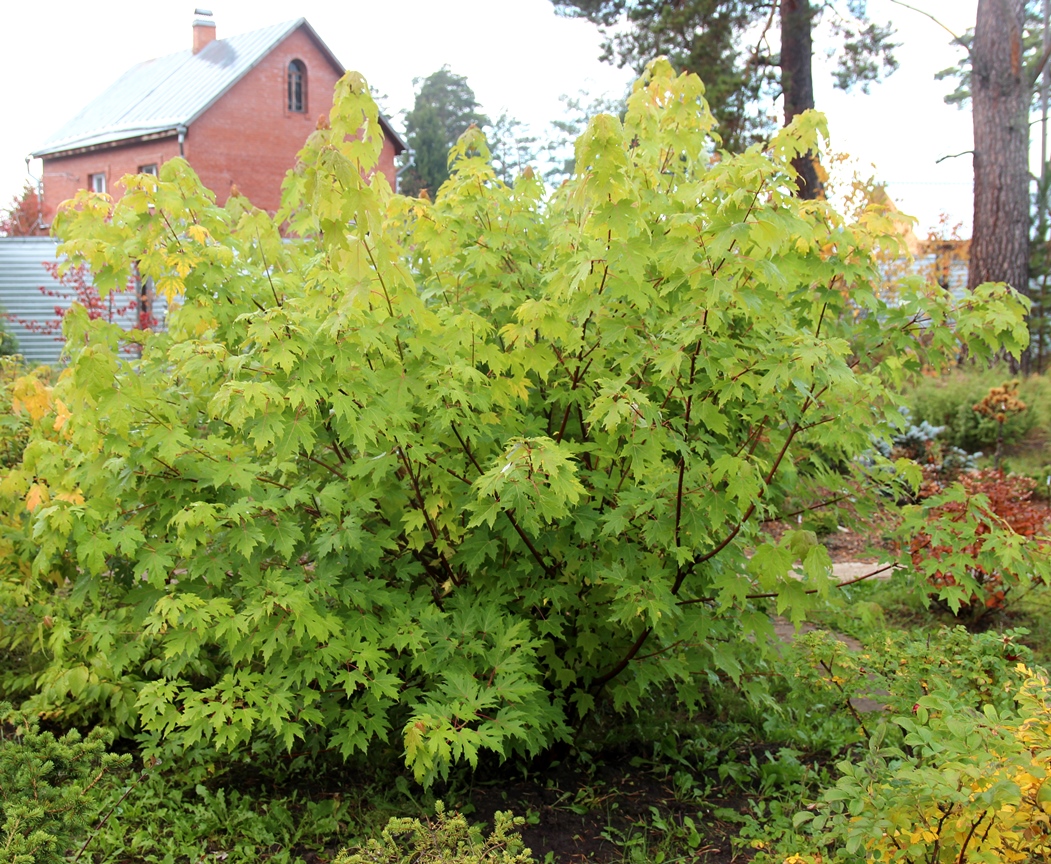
1041, 63
955, 38
953, 156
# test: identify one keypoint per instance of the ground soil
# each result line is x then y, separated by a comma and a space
577, 815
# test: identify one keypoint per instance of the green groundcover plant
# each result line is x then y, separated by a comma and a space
447, 473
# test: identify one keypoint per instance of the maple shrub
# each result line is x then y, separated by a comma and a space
447, 473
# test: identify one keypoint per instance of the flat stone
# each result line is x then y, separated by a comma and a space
787, 632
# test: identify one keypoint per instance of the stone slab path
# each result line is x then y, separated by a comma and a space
845, 572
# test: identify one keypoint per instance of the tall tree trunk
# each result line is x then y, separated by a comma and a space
1000, 105
797, 84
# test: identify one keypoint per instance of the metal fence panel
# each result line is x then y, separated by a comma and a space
24, 283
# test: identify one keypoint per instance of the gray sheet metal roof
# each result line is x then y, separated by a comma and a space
156, 97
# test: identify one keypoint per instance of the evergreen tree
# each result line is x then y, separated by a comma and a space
732, 46
445, 106
512, 147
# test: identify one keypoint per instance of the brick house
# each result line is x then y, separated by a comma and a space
238, 109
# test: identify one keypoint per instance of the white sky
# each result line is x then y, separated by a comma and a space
517, 55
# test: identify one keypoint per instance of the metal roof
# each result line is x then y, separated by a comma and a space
158, 96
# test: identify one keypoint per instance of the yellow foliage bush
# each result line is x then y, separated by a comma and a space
963, 786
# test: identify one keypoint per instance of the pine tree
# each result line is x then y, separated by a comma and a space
732, 45
445, 106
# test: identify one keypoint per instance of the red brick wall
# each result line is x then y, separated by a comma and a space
248, 137
386, 163
65, 175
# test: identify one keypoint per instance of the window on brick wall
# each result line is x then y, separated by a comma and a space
148, 169
97, 182
297, 87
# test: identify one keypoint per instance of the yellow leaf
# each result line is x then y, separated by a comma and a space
62, 415
170, 287
198, 233
13, 484
72, 497
414, 730
37, 496
31, 395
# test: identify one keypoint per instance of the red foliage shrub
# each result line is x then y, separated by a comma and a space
1008, 503
23, 216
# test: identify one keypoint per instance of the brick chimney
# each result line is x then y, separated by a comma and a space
203, 29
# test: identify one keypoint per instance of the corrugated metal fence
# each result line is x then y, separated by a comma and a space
30, 295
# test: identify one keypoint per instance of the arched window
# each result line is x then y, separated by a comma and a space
297, 87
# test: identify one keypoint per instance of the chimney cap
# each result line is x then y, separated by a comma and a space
203, 29
203, 19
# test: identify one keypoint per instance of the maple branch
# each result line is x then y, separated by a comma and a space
752, 508
327, 467
263, 479
769, 595
751, 441
686, 438
548, 569
379, 276
431, 527
809, 508
733, 243
820, 320
386, 296
171, 230
266, 270
663, 650
449, 471
726, 541
683, 573
602, 680
584, 436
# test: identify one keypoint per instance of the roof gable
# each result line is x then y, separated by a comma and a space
159, 96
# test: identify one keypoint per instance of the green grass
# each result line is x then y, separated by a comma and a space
948, 401
866, 609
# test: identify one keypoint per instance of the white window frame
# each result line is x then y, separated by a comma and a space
97, 182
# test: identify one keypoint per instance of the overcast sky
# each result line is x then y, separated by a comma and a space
517, 55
